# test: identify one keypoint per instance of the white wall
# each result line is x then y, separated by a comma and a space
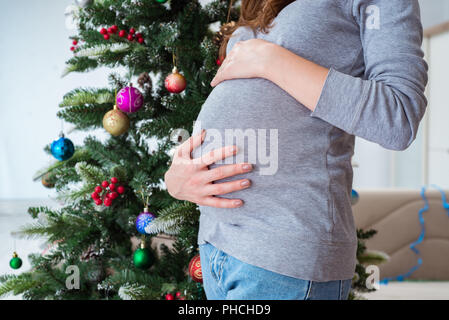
434, 12
34, 45
439, 111
381, 168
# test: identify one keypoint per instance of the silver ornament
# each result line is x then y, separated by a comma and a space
179, 135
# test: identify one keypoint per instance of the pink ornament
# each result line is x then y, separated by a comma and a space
129, 99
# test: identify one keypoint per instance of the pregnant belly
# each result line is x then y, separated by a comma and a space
267, 124
287, 147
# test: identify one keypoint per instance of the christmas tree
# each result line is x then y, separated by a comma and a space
114, 200
104, 185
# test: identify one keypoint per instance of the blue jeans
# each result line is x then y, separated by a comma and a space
227, 278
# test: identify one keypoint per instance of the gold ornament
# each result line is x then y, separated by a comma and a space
116, 122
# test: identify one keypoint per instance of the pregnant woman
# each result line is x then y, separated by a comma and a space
272, 171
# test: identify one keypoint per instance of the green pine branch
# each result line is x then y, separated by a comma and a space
171, 219
15, 285
83, 96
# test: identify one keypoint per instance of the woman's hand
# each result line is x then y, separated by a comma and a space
190, 179
247, 59
256, 58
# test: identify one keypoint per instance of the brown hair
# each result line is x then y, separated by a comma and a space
257, 14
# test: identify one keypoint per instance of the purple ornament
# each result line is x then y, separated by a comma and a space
129, 99
143, 220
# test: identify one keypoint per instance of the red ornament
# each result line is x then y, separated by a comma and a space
132, 31
122, 33
98, 189
112, 187
195, 269
139, 35
98, 202
113, 195
120, 189
103, 31
177, 295
72, 48
175, 82
169, 296
75, 42
105, 184
140, 40
110, 30
95, 195
106, 37
219, 61
130, 37
114, 180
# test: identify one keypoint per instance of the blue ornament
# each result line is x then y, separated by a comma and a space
354, 197
62, 149
143, 220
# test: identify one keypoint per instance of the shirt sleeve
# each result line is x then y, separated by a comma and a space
386, 105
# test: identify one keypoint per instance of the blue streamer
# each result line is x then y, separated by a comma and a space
421, 236
443, 199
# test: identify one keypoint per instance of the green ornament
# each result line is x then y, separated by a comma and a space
15, 262
143, 258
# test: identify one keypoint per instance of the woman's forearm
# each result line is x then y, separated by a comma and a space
301, 78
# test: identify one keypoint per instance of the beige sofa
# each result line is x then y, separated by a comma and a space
394, 214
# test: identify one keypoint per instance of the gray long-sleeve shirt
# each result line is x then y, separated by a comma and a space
297, 217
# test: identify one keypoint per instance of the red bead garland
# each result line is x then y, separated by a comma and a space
106, 194
176, 296
131, 35
74, 45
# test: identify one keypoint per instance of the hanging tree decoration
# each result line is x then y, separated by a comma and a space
195, 269
129, 99
143, 258
145, 218
178, 137
175, 82
63, 148
15, 262
116, 122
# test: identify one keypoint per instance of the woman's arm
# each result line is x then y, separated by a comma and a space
251, 58
384, 107
301, 78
